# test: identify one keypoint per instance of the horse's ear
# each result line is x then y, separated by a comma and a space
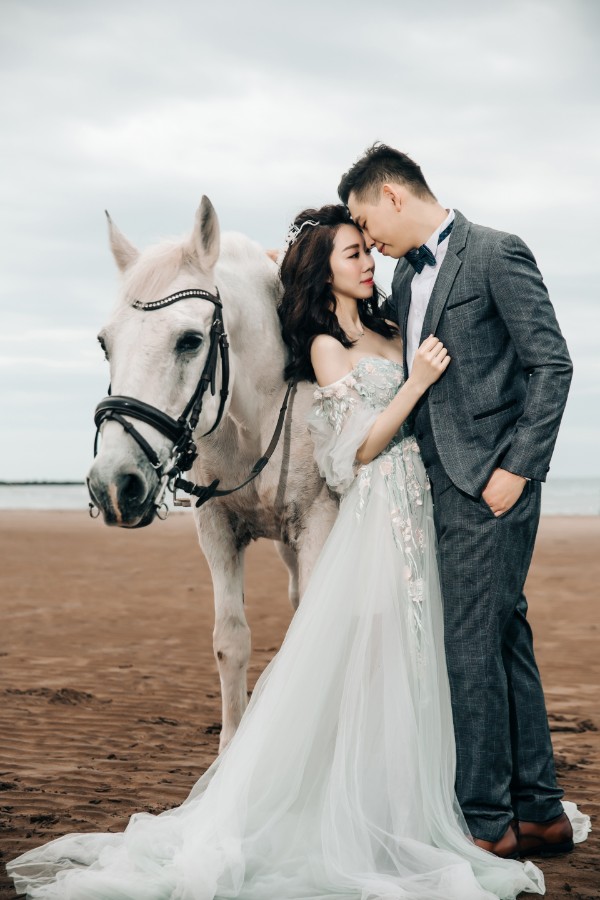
206, 240
125, 254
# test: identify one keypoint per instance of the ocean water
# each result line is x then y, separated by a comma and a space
43, 496
47, 496
560, 497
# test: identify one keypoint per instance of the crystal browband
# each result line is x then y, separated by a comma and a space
173, 298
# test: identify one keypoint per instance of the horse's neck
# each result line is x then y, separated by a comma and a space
257, 366
257, 354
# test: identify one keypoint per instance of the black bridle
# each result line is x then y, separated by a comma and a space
181, 431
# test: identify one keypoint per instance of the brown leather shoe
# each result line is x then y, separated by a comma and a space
506, 847
545, 838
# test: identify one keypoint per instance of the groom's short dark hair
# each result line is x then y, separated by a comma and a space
379, 165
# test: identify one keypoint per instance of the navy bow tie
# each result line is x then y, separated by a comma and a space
423, 256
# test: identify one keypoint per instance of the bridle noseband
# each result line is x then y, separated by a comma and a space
181, 431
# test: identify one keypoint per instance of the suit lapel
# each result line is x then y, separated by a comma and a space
448, 272
402, 290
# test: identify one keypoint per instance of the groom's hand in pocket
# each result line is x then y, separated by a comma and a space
503, 490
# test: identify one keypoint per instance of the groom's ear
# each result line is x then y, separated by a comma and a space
392, 193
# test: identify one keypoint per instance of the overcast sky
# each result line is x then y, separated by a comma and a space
141, 107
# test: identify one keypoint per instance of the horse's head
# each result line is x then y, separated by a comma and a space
156, 356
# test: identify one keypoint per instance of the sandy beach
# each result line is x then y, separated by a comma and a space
110, 693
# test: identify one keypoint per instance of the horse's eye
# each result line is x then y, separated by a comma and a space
103, 345
189, 342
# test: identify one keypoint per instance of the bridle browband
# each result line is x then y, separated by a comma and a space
181, 431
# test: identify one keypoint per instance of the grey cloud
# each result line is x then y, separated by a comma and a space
141, 108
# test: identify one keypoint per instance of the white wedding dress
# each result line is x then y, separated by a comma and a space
339, 782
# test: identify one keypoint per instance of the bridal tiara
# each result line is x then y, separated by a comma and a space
294, 231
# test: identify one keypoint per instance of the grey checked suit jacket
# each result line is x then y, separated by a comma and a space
501, 400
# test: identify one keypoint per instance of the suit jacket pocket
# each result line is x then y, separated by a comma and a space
486, 414
455, 304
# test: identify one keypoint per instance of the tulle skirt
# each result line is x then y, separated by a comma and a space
339, 782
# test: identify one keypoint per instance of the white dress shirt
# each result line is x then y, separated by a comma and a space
421, 288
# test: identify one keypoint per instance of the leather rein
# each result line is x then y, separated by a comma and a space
181, 431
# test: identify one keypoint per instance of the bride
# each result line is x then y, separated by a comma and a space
339, 782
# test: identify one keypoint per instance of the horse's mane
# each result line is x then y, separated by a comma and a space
158, 266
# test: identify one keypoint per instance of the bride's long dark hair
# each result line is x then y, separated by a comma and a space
307, 307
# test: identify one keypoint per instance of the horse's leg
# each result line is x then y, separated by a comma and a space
290, 558
317, 525
224, 552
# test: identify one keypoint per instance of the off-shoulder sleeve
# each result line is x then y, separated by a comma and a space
339, 421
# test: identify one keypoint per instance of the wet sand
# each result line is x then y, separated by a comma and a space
110, 693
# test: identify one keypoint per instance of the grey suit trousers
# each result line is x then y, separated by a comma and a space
505, 765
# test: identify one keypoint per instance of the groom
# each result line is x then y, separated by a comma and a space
486, 431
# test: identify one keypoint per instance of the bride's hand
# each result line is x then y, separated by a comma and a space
431, 361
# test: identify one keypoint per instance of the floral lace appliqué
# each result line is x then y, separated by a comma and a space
364, 489
407, 486
336, 401
376, 381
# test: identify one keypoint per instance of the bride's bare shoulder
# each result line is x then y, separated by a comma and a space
330, 359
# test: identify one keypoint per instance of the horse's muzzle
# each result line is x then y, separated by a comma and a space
125, 498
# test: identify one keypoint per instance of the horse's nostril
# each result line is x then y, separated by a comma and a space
131, 488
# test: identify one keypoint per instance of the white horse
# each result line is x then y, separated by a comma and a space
157, 357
